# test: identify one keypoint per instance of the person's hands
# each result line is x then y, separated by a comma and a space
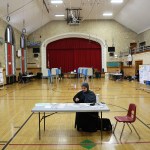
76, 99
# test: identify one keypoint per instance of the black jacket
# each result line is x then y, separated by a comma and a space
87, 121
87, 97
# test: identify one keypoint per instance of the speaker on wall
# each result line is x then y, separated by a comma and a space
36, 55
36, 50
111, 49
111, 54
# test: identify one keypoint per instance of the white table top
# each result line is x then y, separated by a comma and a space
28, 76
73, 73
116, 74
69, 107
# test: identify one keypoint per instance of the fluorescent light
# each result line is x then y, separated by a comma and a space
107, 14
59, 15
116, 1
56, 1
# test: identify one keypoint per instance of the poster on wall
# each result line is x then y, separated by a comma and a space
144, 73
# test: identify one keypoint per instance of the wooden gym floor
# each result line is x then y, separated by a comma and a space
17, 100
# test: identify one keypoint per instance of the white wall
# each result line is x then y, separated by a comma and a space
142, 56
145, 36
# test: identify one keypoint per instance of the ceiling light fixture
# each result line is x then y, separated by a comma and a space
107, 14
59, 15
73, 16
116, 1
56, 1
8, 17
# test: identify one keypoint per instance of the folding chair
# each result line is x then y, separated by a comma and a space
128, 119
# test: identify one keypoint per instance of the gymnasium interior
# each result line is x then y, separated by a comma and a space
50, 50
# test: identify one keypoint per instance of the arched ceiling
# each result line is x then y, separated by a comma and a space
135, 15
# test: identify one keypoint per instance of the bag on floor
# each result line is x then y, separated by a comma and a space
106, 124
86, 121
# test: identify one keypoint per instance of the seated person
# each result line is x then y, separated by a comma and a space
122, 72
21, 79
87, 121
137, 75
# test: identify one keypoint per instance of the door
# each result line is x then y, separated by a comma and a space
137, 64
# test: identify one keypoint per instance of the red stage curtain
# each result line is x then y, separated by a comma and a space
71, 53
60, 58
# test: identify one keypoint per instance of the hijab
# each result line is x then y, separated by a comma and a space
85, 85
90, 97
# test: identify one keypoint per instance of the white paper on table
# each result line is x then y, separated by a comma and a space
61, 106
42, 104
75, 105
48, 106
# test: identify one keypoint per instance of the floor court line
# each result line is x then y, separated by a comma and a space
3, 141
5, 145
142, 142
17, 132
78, 144
13, 91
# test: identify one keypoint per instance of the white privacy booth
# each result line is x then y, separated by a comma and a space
53, 73
144, 78
89, 70
1, 78
144, 73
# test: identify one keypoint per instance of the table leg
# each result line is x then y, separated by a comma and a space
51, 79
44, 121
101, 126
39, 127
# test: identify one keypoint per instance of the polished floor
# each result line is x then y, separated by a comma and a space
17, 100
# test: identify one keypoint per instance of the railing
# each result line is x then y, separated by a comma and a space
140, 49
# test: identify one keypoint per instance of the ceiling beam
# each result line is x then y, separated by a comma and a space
45, 6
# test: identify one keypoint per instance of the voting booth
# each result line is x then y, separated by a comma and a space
1, 78
144, 74
85, 71
53, 73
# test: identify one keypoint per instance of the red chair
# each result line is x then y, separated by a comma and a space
128, 119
